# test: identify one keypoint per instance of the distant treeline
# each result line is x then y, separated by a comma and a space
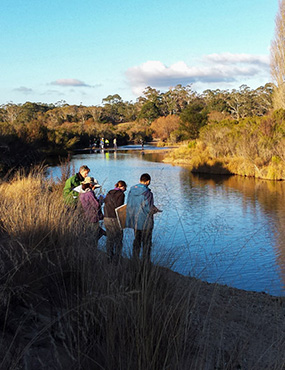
31, 131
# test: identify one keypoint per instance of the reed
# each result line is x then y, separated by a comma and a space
57, 290
199, 158
63, 305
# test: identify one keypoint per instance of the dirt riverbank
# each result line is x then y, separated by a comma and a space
227, 329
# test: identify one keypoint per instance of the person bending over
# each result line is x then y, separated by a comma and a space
69, 195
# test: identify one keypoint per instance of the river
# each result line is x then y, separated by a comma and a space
229, 230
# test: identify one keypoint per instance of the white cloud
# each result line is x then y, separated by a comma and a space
221, 68
229, 58
67, 82
23, 89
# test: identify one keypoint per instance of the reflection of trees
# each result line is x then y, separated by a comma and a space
201, 183
267, 195
271, 197
154, 157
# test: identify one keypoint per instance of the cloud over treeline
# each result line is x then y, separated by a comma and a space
220, 68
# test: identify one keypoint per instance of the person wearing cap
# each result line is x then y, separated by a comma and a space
91, 206
69, 195
139, 216
93, 182
114, 199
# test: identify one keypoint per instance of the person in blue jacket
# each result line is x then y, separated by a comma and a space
139, 216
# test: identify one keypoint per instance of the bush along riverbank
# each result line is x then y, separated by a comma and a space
252, 147
64, 306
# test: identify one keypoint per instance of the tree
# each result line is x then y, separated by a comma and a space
240, 102
149, 112
150, 94
177, 98
216, 100
278, 58
192, 119
263, 99
113, 109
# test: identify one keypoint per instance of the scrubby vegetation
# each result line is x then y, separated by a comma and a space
63, 306
249, 147
32, 132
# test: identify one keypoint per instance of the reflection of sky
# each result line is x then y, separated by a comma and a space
211, 228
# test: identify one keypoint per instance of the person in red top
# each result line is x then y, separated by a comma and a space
115, 198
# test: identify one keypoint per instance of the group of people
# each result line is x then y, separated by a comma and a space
80, 190
102, 143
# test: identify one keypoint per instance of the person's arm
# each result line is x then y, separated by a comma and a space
94, 202
68, 193
149, 198
121, 199
153, 208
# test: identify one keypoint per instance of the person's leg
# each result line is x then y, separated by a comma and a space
118, 242
108, 222
137, 244
116, 238
147, 243
95, 229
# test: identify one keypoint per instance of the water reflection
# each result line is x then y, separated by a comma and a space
219, 228
253, 214
270, 196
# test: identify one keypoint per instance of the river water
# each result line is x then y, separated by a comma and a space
229, 230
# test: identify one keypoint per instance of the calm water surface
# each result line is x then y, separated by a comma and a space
229, 230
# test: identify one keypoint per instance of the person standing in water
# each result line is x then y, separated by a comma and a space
139, 216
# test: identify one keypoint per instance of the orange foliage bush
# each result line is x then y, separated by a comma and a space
164, 126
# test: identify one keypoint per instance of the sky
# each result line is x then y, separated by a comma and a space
82, 51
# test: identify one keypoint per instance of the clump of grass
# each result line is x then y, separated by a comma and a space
69, 298
65, 306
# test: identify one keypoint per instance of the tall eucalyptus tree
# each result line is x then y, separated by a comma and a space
278, 58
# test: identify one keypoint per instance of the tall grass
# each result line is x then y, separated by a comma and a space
59, 292
63, 306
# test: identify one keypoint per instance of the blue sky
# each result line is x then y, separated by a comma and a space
83, 51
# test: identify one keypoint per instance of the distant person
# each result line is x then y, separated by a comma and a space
70, 196
115, 143
107, 142
91, 207
94, 146
140, 211
114, 198
102, 143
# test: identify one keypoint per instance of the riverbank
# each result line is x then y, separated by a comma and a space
63, 305
198, 157
222, 328
236, 329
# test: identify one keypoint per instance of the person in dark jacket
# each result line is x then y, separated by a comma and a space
140, 211
69, 195
114, 198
